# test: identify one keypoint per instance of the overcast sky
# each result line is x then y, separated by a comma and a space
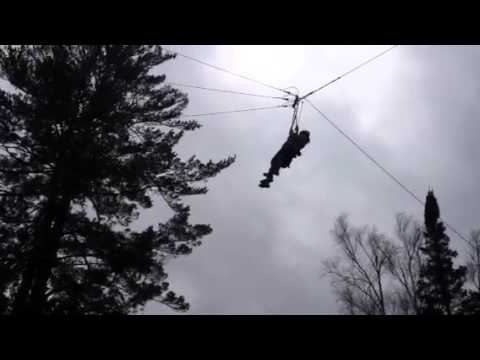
415, 109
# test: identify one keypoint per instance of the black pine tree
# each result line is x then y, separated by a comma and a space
471, 303
86, 141
440, 287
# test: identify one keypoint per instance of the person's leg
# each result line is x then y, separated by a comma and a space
265, 183
275, 164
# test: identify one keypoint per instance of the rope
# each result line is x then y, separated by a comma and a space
229, 72
226, 91
234, 111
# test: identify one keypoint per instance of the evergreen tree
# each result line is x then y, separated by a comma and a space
471, 303
440, 285
86, 142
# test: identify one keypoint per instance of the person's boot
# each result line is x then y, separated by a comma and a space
264, 183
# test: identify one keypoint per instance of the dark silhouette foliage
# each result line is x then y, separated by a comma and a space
86, 142
440, 287
373, 274
471, 303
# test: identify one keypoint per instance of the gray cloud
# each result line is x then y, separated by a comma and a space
415, 110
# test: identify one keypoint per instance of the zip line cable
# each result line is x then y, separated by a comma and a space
234, 111
228, 71
384, 170
353, 142
389, 174
226, 91
349, 71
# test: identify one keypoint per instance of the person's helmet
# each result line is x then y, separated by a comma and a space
304, 136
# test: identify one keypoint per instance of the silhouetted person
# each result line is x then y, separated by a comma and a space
283, 158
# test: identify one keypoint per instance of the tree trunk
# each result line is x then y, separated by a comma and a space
49, 254
31, 295
40, 236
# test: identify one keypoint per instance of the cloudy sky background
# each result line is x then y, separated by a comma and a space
415, 110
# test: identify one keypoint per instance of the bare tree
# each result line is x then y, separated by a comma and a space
360, 274
405, 265
471, 302
473, 260
372, 274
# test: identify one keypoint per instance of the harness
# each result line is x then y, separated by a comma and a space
297, 106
